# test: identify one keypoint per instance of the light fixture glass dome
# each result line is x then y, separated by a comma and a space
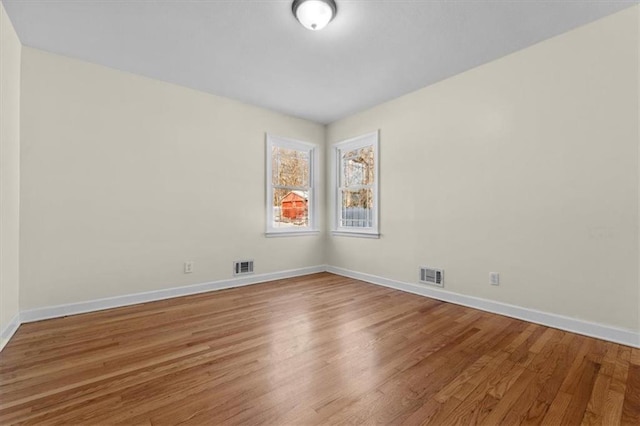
314, 14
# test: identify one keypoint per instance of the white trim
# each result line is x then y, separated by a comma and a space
368, 139
358, 141
587, 328
48, 312
362, 234
314, 179
277, 234
599, 331
9, 331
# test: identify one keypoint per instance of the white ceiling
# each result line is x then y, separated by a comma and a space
255, 51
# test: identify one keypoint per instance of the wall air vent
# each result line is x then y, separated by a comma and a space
432, 276
243, 267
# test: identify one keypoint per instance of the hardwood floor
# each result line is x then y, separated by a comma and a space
320, 349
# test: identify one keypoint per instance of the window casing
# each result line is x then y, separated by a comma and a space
356, 179
291, 192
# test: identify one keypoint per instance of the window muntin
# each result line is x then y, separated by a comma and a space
291, 202
357, 185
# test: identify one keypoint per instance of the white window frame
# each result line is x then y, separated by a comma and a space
312, 149
369, 139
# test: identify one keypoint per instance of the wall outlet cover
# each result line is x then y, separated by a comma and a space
494, 278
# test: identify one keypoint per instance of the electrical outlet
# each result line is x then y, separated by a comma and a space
188, 266
494, 278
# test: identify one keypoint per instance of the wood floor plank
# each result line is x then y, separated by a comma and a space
319, 349
631, 405
613, 408
556, 411
543, 365
595, 407
582, 392
635, 356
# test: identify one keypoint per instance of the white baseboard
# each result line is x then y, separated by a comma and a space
7, 333
600, 331
48, 312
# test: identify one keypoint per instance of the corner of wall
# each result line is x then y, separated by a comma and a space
638, 139
10, 92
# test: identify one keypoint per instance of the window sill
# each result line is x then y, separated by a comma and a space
276, 234
355, 234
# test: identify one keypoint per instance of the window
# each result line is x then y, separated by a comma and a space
356, 186
291, 187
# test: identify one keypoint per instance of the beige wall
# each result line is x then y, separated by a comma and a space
124, 178
527, 166
638, 121
9, 171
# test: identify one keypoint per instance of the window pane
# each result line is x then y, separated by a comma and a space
290, 208
357, 208
357, 167
290, 167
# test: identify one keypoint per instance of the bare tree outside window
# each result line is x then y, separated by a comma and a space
356, 186
290, 180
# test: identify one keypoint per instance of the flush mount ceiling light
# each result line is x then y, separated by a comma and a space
314, 14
